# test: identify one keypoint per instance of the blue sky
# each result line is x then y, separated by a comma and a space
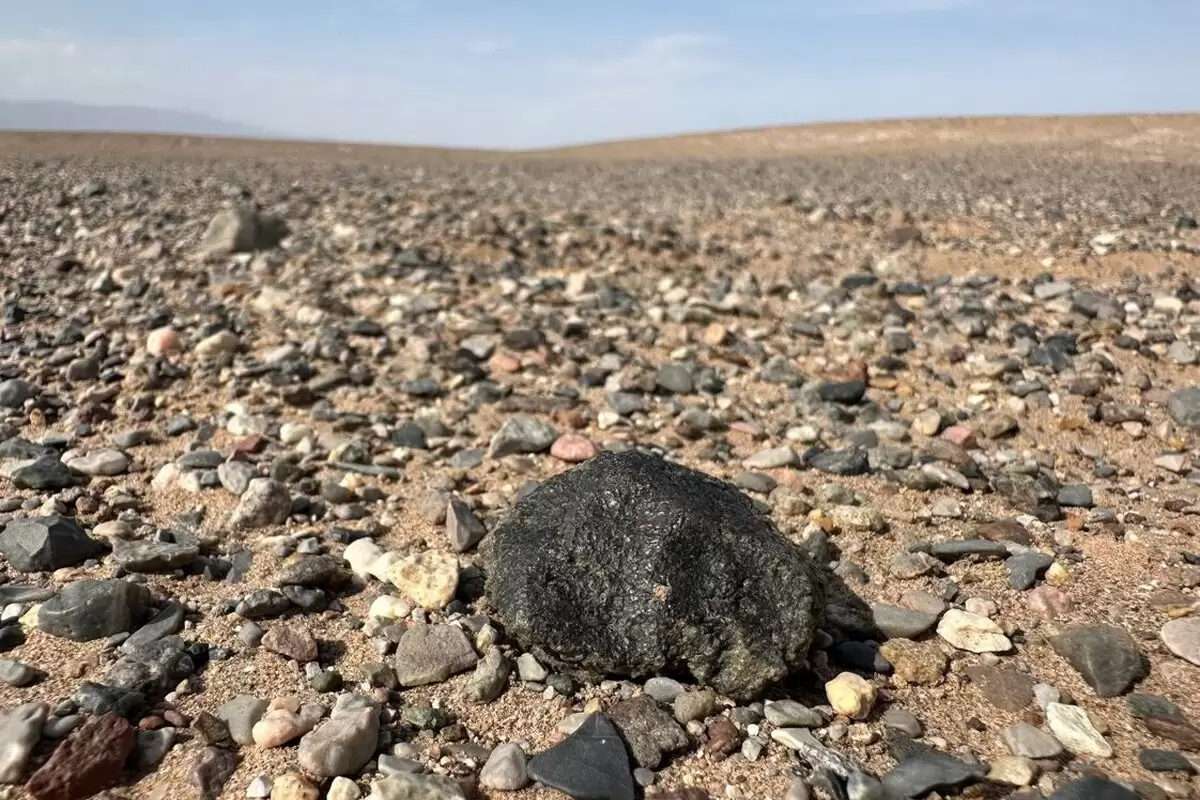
520, 73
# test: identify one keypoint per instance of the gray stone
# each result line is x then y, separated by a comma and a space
742, 605
491, 677
462, 526
240, 714
1184, 406
14, 673
664, 690
590, 763
44, 544
790, 714
405, 786
342, 745
522, 434
1182, 638
150, 748
505, 769
1094, 788
153, 556
530, 670
265, 502
242, 229
901, 623
20, 730
42, 474
15, 391
89, 609
1025, 740
1107, 657
432, 653
235, 476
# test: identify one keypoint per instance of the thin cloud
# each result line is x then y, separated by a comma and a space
488, 46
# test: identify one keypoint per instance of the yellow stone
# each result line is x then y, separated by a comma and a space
1057, 574
293, 786
429, 579
851, 695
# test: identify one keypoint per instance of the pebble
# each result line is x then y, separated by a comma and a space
1027, 741
850, 695
429, 579
790, 714
432, 653
291, 641
1071, 726
901, 623
972, 632
1182, 638
505, 769
1106, 656
20, 730
342, 745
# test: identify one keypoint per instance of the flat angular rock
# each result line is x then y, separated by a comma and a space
1182, 638
973, 632
89, 761
43, 473
154, 556
1106, 656
1071, 726
683, 573
590, 764
432, 653
923, 772
650, 732
901, 623
462, 526
1006, 689
1094, 789
44, 544
89, 609
211, 770
522, 434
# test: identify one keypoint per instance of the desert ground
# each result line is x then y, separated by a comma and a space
955, 360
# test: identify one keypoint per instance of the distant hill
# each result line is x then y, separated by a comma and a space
52, 115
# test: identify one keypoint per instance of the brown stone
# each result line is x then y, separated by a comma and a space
723, 739
681, 794
1006, 689
291, 641
1180, 731
1004, 530
88, 762
213, 767
572, 448
920, 663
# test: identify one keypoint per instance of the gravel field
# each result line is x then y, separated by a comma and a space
282, 425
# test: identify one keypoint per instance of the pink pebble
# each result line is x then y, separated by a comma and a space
1048, 603
163, 341
572, 448
960, 435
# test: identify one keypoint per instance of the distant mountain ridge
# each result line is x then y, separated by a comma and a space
54, 115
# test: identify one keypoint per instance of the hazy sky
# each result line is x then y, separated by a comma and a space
534, 72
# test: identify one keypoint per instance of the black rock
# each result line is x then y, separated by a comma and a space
1094, 789
844, 392
89, 609
862, 657
11, 636
921, 773
43, 544
168, 621
263, 603
590, 764
1107, 657
632, 565
1024, 568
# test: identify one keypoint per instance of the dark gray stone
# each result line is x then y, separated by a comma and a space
848, 461
1094, 789
684, 574
961, 548
590, 764
1024, 568
925, 771
1107, 657
1184, 406
43, 544
98, 698
1165, 761
1075, 495
89, 609
154, 556
901, 623
45, 472
15, 391
650, 732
